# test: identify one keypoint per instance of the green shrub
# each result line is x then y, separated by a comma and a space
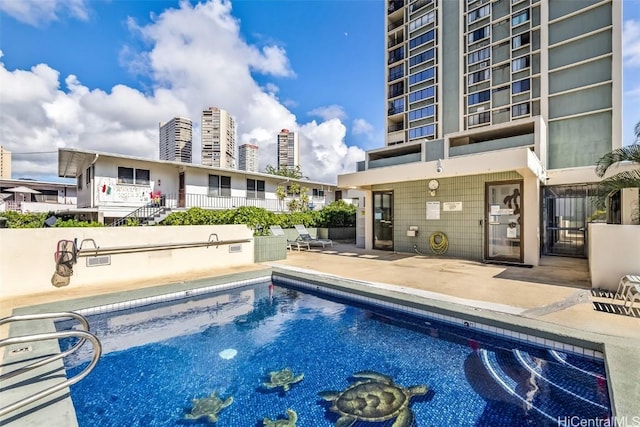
24, 220
337, 214
77, 223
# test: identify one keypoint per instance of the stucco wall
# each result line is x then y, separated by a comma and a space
614, 251
27, 262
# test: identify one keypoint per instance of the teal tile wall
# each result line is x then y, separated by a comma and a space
463, 228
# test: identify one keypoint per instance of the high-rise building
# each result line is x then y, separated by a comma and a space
5, 163
288, 149
176, 140
218, 132
482, 68
493, 108
248, 157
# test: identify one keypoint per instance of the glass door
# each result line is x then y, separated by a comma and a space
383, 220
503, 237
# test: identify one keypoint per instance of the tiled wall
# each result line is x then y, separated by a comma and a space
463, 228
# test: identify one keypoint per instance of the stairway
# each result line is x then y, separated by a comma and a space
554, 390
149, 214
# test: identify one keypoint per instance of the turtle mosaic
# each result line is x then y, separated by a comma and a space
374, 397
292, 418
208, 407
283, 378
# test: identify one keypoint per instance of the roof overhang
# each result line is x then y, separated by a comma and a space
521, 159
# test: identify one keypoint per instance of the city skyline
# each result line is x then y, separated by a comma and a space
56, 92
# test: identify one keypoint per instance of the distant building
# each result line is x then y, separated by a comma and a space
5, 163
176, 140
248, 157
288, 149
218, 138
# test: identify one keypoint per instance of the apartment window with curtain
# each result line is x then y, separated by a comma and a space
219, 185
479, 76
478, 97
520, 40
255, 189
520, 63
520, 86
520, 110
520, 18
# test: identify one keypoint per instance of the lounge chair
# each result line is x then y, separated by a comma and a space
276, 230
626, 282
306, 237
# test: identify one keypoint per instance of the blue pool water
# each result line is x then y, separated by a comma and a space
159, 358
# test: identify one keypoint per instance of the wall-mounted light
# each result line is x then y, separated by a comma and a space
439, 166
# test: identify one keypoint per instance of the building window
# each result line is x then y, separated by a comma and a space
478, 34
422, 21
88, 176
255, 189
422, 39
142, 176
318, 193
422, 76
80, 182
125, 175
422, 94
479, 13
396, 72
219, 185
479, 76
520, 18
478, 97
396, 55
520, 63
396, 89
520, 86
520, 40
421, 113
422, 57
133, 176
422, 131
520, 110
479, 55
478, 119
396, 106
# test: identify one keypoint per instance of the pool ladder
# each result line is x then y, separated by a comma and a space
83, 335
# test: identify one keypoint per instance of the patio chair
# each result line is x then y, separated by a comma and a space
626, 282
306, 237
276, 230
632, 295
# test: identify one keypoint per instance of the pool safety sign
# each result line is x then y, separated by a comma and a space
451, 206
433, 210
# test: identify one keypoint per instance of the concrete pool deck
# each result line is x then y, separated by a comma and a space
554, 296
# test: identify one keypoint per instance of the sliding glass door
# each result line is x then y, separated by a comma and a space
383, 220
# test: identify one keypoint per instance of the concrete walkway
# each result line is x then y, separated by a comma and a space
558, 291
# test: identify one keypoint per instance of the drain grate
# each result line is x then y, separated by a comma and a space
21, 350
98, 261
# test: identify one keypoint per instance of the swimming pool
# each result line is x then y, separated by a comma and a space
160, 357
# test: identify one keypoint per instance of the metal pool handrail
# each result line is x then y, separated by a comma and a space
84, 335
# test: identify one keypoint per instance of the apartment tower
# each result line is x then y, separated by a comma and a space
218, 132
288, 149
5, 163
176, 140
472, 71
248, 157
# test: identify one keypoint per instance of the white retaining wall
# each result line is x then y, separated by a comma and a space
27, 260
614, 251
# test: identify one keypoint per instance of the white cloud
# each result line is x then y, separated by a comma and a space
631, 43
329, 112
39, 12
196, 59
361, 127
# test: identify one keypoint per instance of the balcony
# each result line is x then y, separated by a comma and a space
205, 201
395, 5
395, 127
392, 43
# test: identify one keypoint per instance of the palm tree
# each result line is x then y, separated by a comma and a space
624, 179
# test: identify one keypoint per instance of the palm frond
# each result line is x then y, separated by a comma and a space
626, 179
629, 153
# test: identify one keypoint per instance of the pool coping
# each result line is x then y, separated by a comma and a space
624, 390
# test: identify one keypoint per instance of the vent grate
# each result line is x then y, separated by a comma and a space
98, 261
235, 249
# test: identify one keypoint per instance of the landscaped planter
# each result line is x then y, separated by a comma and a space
269, 248
343, 234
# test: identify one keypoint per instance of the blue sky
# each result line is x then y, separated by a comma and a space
100, 75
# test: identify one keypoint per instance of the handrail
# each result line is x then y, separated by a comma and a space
85, 327
83, 335
153, 246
